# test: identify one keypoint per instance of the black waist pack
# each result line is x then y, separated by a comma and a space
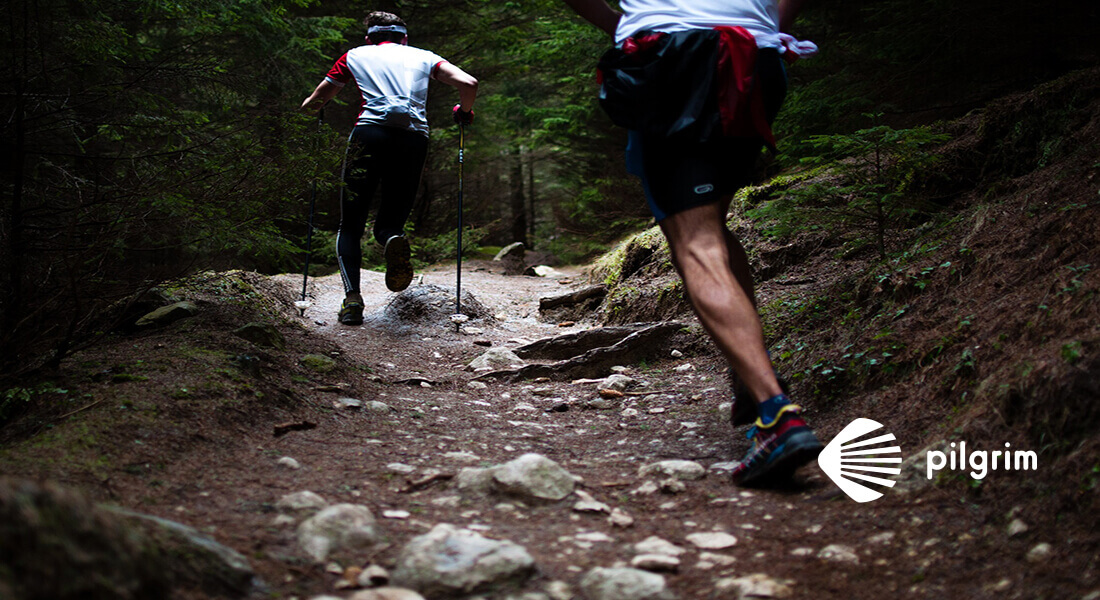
664, 84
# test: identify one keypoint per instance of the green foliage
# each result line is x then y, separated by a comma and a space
865, 187
146, 139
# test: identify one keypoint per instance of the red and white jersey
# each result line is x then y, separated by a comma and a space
392, 81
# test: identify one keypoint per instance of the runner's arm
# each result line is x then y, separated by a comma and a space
456, 77
788, 10
598, 13
326, 90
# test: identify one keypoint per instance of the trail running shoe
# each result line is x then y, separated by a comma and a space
744, 410
351, 311
777, 449
399, 271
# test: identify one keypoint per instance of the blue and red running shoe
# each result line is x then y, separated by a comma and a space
778, 448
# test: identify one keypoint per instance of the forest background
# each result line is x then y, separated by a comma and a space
145, 139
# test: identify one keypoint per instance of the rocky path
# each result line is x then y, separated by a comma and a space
405, 473
459, 486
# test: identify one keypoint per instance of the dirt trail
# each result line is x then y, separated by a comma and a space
899, 545
194, 444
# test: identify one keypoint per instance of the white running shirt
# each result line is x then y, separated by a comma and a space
393, 83
759, 17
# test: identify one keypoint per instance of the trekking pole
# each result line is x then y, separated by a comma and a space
303, 304
458, 277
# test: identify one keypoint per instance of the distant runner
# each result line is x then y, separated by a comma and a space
698, 83
388, 146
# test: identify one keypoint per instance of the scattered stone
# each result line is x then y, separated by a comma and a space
619, 518
399, 515
676, 354
685, 470
1040, 552
757, 585
672, 486
461, 456
471, 330
168, 314
452, 562
589, 504
338, 527
374, 576
477, 385
601, 404
725, 412
648, 487
402, 468
839, 553
629, 412
1017, 527
656, 410
882, 538
656, 562
301, 502
624, 584
374, 406
712, 540
656, 545
495, 358
288, 462
719, 559
617, 382
802, 552
387, 593
348, 404
261, 334
684, 368
594, 536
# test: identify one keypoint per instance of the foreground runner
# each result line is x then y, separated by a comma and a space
388, 146
698, 83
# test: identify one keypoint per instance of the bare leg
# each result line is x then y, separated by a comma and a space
718, 282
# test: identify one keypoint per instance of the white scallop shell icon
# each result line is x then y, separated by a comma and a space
844, 456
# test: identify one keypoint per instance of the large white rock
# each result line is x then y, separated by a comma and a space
684, 470
532, 477
495, 358
338, 527
623, 583
448, 561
